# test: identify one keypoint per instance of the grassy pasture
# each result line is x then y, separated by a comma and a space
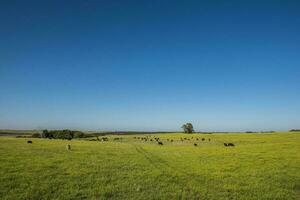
260, 166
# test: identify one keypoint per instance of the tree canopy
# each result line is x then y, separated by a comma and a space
188, 128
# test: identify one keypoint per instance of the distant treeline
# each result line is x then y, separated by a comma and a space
259, 131
60, 134
295, 130
235, 132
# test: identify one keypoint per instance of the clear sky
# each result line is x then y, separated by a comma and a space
150, 65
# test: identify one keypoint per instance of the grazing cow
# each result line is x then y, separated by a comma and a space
225, 144
68, 147
203, 139
195, 144
197, 139
172, 140
230, 144
160, 143
29, 142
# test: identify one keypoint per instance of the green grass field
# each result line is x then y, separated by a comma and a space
260, 166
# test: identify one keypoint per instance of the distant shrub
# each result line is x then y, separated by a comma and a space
64, 134
47, 134
24, 136
78, 134
36, 135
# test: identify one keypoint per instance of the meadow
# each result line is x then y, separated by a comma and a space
259, 166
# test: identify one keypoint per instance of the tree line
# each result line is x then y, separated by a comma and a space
70, 134
59, 134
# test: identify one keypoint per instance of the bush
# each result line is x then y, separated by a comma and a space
36, 135
46, 134
62, 134
78, 134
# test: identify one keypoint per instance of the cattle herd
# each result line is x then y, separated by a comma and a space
159, 141
155, 139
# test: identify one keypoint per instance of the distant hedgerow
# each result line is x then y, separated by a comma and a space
36, 135
62, 134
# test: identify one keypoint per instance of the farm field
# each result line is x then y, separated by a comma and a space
17, 132
259, 166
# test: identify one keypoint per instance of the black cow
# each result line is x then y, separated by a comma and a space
230, 144
29, 142
203, 139
160, 143
195, 144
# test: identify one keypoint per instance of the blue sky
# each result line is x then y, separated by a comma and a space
150, 65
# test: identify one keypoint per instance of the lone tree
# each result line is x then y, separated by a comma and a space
188, 128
